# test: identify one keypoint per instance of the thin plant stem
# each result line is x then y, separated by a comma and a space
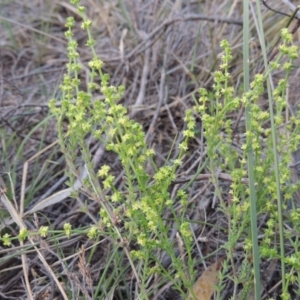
274, 145
250, 154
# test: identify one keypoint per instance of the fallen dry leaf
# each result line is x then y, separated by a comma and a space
204, 286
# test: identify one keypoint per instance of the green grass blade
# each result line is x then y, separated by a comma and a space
274, 143
250, 155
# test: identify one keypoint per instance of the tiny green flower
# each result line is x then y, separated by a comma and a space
96, 63
185, 230
274, 65
177, 162
81, 8
68, 229
248, 245
188, 133
108, 182
86, 24
286, 35
90, 42
23, 234
183, 146
169, 202
116, 197
153, 270
142, 239
285, 296
103, 172
137, 254
92, 233
43, 231
70, 22
6, 240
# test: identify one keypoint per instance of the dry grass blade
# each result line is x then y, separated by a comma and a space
63, 194
5, 201
34, 30
25, 171
18, 220
48, 268
12, 211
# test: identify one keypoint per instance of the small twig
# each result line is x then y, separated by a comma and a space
34, 30
159, 104
161, 28
144, 79
274, 10
293, 8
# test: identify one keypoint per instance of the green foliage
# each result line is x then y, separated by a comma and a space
223, 158
146, 198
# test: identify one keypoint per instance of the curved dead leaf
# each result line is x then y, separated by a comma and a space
204, 286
